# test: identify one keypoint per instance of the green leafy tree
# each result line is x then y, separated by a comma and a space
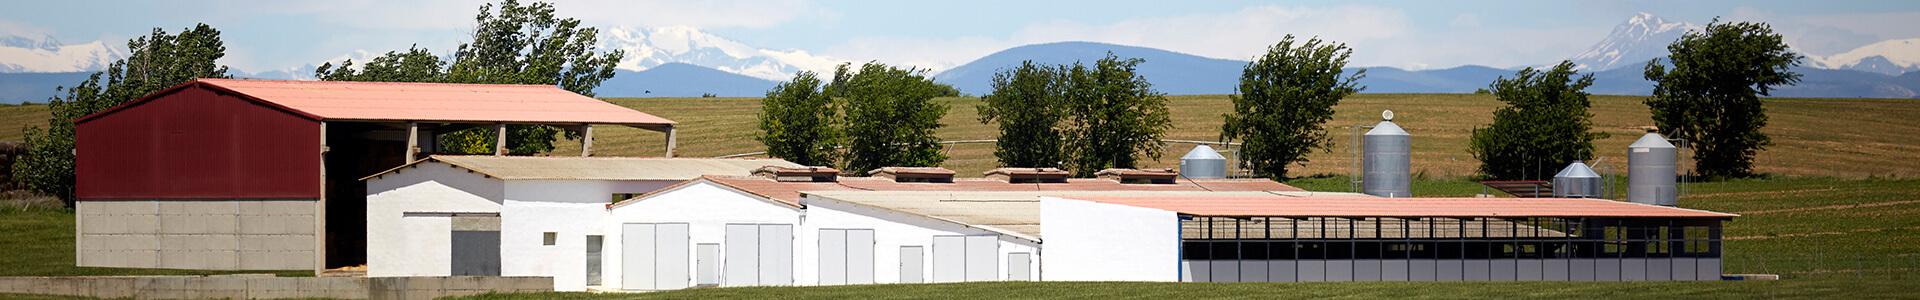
158, 61
515, 44
1114, 115
1711, 97
891, 116
1544, 125
1028, 105
797, 122
1284, 101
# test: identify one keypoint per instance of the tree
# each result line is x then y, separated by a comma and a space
797, 122
1027, 105
1284, 101
1114, 115
1711, 97
891, 116
514, 45
158, 61
1544, 125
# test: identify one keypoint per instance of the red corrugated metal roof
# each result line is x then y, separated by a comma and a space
447, 102
789, 192
1284, 206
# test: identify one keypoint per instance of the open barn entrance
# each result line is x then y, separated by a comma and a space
355, 150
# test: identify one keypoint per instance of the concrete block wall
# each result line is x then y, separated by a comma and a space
196, 234
267, 287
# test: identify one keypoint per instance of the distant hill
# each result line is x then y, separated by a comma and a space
682, 80
1171, 72
36, 87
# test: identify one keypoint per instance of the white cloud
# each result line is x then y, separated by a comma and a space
9, 28
458, 14
1833, 33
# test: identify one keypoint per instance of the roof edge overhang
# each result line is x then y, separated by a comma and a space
705, 179
193, 83
804, 196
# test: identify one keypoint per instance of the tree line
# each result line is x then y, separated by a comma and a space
1075, 116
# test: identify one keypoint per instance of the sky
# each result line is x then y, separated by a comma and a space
263, 35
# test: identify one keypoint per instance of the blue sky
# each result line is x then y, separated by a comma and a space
1411, 34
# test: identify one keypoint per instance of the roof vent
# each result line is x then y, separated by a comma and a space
1027, 175
914, 174
1152, 176
800, 174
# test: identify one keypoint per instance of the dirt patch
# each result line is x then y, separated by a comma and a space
1828, 207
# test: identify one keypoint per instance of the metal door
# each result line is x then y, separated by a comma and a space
949, 258
912, 264
636, 251
743, 257
672, 265
983, 255
1019, 266
776, 254
833, 256
860, 256
707, 264
476, 253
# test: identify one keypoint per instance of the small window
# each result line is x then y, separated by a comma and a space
549, 238
617, 197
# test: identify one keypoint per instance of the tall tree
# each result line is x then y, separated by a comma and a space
891, 116
516, 44
158, 61
1711, 97
797, 122
1114, 115
1544, 125
1284, 101
1028, 105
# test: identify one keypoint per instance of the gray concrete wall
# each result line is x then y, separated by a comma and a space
196, 234
263, 287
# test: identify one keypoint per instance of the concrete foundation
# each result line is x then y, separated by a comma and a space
196, 234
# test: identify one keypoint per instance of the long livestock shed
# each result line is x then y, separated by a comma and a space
264, 174
1275, 238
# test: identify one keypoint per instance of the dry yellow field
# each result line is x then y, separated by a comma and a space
1812, 137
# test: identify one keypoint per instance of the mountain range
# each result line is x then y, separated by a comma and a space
680, 61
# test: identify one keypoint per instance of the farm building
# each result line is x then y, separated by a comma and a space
262, 174
761, 230
1241, 237
512, 216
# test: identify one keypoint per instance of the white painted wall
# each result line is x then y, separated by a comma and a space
892, 230
572, 209
420, 246
1092, 241
706, 207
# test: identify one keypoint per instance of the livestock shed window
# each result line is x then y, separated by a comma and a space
549, 238
1277, 238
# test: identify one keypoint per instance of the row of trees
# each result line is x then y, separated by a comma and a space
1074, 117
879, 116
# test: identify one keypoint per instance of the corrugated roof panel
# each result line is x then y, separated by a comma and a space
394, 101
1281, 206
602, 168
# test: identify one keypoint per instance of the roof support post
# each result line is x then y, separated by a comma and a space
413, 141
671, 140
500, 139
586, 140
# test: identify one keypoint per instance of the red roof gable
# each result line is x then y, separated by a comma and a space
447, 102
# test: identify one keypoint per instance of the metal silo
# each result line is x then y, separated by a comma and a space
1651, 171
1203, 162
1577, 181
1388, 160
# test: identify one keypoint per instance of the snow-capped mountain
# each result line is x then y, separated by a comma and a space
1891, 57
651, 47
19, 54
1643, 37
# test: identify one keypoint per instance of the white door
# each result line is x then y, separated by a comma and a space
707, 264
776, 254
833, 256
983, 253
1018, 265
743, 254
859, 256
655, 256
912, 264
949, 258
636, 270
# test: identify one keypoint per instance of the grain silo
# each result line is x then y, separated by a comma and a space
1203, 162
1577, 181
1651, 166
1388, 160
